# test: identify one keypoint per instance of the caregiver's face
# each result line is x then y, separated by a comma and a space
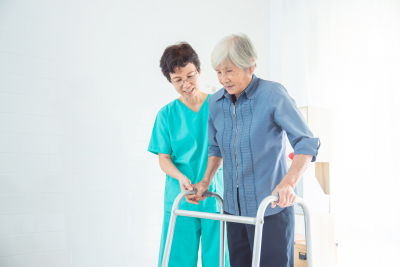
186, 80
233, 78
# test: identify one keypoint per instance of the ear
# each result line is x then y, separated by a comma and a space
252, 69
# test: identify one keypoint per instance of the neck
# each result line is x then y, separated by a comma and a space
247, 85
197, 99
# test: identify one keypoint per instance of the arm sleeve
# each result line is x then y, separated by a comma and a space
160, 141
213, 148
288, 116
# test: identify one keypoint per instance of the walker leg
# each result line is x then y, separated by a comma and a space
307, 224
222, 244
168, 242
257, 244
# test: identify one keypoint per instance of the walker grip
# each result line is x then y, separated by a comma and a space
276, 195
205, 194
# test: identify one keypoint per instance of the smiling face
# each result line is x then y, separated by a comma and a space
234, 79
189, 74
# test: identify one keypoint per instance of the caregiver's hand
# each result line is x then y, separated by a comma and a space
185, 184
287, 197
201, 187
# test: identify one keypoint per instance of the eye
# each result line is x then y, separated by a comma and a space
229, 71
218, 72
189, 77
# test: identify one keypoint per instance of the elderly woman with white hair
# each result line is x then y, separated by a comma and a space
249, 120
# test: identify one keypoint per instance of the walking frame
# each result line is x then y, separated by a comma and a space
258, 221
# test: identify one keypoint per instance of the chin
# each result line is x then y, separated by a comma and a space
193, 94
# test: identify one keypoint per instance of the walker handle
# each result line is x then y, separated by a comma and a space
276, 195
205, 194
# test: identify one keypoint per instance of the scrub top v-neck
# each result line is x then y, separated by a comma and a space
183, 134
189, 109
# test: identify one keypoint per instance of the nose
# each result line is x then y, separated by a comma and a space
186, 84
223, 78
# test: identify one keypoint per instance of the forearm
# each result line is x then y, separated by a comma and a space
169, 168
296, 170
213, 165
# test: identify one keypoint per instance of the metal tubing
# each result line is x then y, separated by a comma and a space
307, 225
258, 221
221, 234
213, 216
259, 229
221, 224
171, 228
175, 211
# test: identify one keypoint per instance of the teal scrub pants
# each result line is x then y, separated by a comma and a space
185, 243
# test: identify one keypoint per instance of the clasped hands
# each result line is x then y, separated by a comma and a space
285, 189
201, 187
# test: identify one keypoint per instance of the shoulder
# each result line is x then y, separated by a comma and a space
266, 86
269, 89
166, 110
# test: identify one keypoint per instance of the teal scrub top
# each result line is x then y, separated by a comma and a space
183, 134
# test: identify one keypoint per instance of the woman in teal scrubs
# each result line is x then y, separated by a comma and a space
180, 140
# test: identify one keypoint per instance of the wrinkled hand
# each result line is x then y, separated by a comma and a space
201, 188
287, 197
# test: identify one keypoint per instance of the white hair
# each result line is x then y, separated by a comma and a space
235, 48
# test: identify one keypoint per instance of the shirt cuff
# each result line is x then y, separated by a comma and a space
214, 151
308, 146
156, 150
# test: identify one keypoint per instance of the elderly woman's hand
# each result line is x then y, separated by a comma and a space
201, 187
287, 197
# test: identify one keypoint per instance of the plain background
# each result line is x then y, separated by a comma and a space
80, 87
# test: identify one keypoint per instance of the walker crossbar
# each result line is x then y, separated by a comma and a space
258, 221
218, 217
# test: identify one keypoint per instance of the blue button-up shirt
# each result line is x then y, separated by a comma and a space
250, 136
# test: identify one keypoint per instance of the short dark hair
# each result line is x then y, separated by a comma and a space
178, 56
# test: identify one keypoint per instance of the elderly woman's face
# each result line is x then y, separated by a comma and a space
233, 78
186, 80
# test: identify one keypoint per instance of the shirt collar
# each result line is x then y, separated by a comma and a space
249, 91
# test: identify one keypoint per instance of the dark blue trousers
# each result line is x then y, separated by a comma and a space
277, 247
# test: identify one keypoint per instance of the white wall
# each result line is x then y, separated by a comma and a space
366, 130
79, 90
347, 55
